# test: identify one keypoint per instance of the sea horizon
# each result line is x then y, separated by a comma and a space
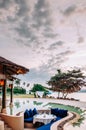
81, 96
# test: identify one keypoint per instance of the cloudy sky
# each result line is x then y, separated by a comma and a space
43, 35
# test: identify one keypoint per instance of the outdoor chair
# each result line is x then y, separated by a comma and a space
28, 117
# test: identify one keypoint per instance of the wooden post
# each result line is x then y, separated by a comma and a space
11, 94
4, 93
4, 96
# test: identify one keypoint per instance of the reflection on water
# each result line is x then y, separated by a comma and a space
11, 110
37, 103
22, 105
17, 104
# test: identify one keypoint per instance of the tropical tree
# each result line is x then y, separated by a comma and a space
28, 84
18, 90
24, 83
17, 82
67, 82
38, 87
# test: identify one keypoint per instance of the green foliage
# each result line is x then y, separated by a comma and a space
17, 82
18, 90
17, 104
8, 90
38, 87
37, 103
68, 82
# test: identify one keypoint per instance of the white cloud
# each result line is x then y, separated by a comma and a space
43, 35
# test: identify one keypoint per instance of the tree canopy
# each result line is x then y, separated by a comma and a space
38, 87
67, 82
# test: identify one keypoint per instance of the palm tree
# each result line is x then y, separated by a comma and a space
17, 82
28, 84
24, 83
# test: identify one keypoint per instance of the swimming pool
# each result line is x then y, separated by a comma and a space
21, 104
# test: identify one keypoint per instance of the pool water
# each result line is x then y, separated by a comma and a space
23, 104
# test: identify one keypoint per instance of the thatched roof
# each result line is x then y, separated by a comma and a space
9, 68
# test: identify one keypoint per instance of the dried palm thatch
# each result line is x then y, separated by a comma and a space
9, 68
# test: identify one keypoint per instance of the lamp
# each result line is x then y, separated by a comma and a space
2, 82
2, 79
19, 71
10, 85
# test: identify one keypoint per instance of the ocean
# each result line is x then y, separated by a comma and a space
77, 95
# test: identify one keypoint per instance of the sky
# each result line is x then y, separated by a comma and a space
43, 35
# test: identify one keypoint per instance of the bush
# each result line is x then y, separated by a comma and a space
19, 90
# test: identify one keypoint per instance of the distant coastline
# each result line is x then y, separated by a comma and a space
82, 91
81, 95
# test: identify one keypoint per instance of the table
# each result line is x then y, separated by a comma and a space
44, 118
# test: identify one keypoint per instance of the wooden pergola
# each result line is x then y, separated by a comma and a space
7, 70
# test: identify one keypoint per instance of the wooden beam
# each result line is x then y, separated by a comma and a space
4, 93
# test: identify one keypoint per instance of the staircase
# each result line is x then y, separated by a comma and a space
6, 127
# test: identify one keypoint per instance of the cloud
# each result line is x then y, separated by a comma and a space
8, 10
68, 52
37, 76
49, 34
5, 3
80, 39
31, 25
55, 61
55, 45
23, 8
42, 19
25, 31
41, 34
69, 10
41, 14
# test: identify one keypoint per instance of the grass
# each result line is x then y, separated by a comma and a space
22, 96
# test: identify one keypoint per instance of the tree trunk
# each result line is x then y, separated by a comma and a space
62, 94
65, 95
58, 94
